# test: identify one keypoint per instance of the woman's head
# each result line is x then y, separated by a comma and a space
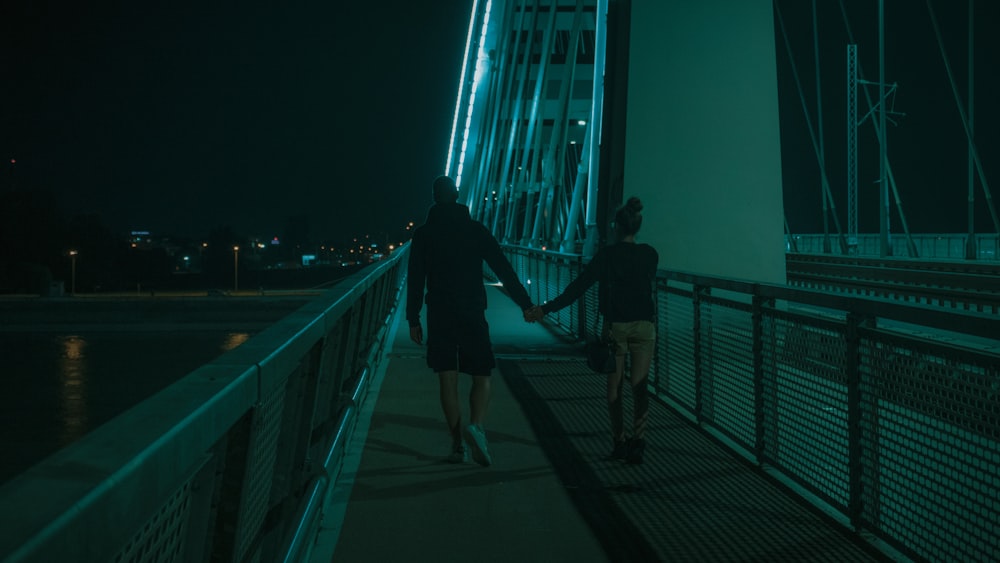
628, 218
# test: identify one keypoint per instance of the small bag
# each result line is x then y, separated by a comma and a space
601, 355
602, 352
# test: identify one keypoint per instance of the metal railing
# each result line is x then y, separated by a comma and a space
970, 285
231, 463
943, 246
887, 412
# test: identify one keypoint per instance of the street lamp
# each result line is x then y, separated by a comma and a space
72, 269
236, 268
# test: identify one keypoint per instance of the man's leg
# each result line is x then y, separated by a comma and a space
450, 406
479, 399
475, 435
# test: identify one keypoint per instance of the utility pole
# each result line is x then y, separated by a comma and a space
886, 247
852, 148
970, 242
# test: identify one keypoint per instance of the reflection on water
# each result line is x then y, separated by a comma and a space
57, 387
73, 388
234, 339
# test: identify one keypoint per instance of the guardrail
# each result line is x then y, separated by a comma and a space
888, 413
231, 463
936, 246
958, 284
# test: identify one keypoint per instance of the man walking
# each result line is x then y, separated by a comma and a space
446, 256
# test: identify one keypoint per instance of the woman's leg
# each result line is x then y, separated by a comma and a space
641, 361
614, 395
642, 344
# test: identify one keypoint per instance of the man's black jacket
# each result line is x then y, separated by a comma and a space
447, 254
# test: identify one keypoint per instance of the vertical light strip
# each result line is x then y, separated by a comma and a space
481, 59
461, 87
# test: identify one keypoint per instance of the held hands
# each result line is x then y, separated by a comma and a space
417, 334
533, 314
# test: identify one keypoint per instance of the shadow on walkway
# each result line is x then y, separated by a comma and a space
550, 496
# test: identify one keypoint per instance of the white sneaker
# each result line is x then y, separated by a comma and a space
475, 436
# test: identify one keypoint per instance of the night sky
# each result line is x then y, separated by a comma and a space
181, 117
926, 147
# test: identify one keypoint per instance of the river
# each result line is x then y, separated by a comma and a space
61, 385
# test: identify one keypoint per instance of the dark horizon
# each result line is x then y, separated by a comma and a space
183, 118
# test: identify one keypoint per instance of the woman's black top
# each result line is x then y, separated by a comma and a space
626, 272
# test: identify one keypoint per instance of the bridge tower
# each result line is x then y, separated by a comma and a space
567, 107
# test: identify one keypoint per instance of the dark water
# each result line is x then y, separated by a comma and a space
59, 386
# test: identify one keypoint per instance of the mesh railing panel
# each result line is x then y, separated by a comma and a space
570, 316
807, 405
933, 453
161, 539
260, 470
675, 354
657, 371
727, 354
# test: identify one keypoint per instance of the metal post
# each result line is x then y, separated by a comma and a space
553, 173
970, 242
966, 121
72, 267
855, 469
236, 269
596, 124
517, 92
524, 179
819, 129
576, 200
852, 148
697, 295
759, 389
886, 249
827, 202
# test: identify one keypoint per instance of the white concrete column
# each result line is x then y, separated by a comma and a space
702, 138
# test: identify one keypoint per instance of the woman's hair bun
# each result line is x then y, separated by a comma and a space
634, 205
628, 219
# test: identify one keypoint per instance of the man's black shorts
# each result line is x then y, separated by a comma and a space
459, 340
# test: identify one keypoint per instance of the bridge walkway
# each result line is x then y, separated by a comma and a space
549, 495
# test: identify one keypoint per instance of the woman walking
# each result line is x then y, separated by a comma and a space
626, 275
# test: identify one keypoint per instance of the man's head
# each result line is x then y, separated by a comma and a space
445, 190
